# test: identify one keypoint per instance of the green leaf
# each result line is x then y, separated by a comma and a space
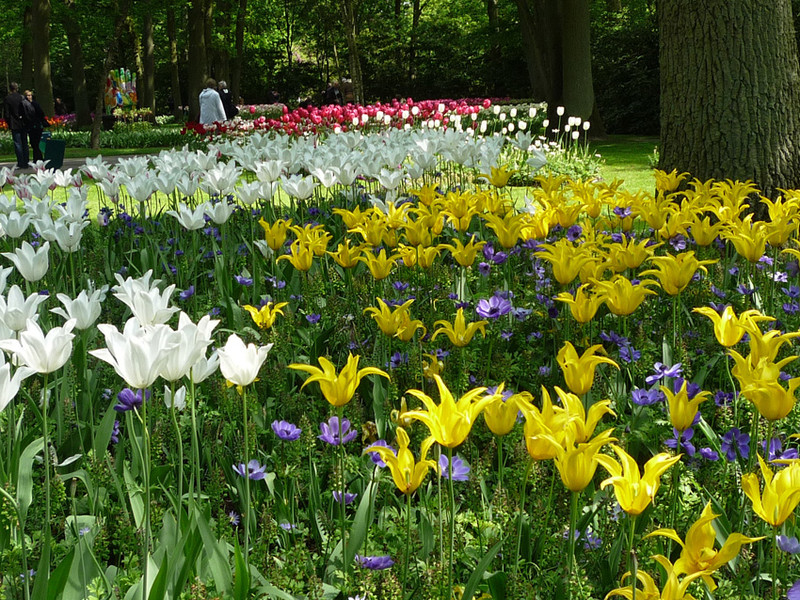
102, 436
59, 577
480, 569
380, 392
241, 586
25, 476
273, 592
159, 588
216, 553
426, 535
361, 523
42, 580
497, 585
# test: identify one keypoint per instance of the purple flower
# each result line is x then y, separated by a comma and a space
644, 397
788, 544
792, 291
330, 431
253, 469
460, 468
623, 212
313, 318
520, 314
242, 280
286, 431
544, 371
678, 242
127, 400
398, 359
286, 526
735, 441
682, 440
233, 518
629, 354
493, 308
400, 286
441, 353
115, 433
348, 498
692, 389
574, 232
484, 269
660, 371
506, 335
776, 450
723, 398
187, 293
374, 563
375, 457
708, 454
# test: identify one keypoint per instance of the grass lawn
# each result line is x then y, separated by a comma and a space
627, 157
89, 153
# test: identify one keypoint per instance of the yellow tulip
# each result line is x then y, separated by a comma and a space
635, 492
728, 328
582, 305
668, 182
749, 239
427, 194
675, 272
699, 555
372, 229
674, 589
275, 234
582, 424
388, 319
408, 475
703, 232
682, 411
300, 255
464, 254
418, 255
781, 493
577, 462
766, 345
338, 389
566, 259
265, 317
579, 370
459, 333
460, 208
380, 266
499, 176
629, 254
550, 420
507, 229
501, 414
418, 233
407, 327
760, 383
450, 421
621, 296
346, 256
352, 218
433, 367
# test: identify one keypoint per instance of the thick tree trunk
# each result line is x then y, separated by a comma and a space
26, 78
730, 91
351, 35
136, 45
208, 36
174, 70
416, 13
236, 66
40, 29
541, 43
494, 57
577, 59
148, 63
72, 28
197, 57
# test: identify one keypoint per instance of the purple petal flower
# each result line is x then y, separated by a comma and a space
348, 498
682, 440
374, 563
254, 470
313, 318
330, 431
187, 293
735, 441
460, 468
660, 371
708, 454
484, 269
286, 431
574, 233
788, 544
375, 457
127, 399
233, 518
242, 280
644, 397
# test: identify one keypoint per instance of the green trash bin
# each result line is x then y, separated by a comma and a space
54, 153
46, 135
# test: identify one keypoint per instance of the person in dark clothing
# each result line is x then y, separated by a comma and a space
36, 125
13, 113
60, 108
333, 95
227, 101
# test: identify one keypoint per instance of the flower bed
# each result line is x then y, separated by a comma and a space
321, 373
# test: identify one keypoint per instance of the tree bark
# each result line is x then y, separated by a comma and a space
236, 66
72, 28
541, 43
416, 14
730, 99
148, 83
40, 29
208, 34
197, 57
351, 34
26, 78
577, 59
174, 70
494, 56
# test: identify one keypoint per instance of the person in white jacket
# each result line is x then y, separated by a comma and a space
211, 109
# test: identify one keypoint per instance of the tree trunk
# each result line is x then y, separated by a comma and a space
121, 9
577, 59
416, 13
236, 66
174, 70
197, 57
26, 78
541, 43
351, 35
730, 100
208, 33
72, 28
494, 56
136, 44
40, 29
148, 83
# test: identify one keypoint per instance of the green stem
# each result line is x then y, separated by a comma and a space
452, 522
345, 566
45, 435
24, 557
522, 495
180, 458
408, 545
774, 562
500, 461
146, 467
632, 562
441, 527
246, 483
195, 475
573, 518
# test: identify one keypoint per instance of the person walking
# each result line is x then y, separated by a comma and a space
37, 123
227, 101
13, 113
211, 109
